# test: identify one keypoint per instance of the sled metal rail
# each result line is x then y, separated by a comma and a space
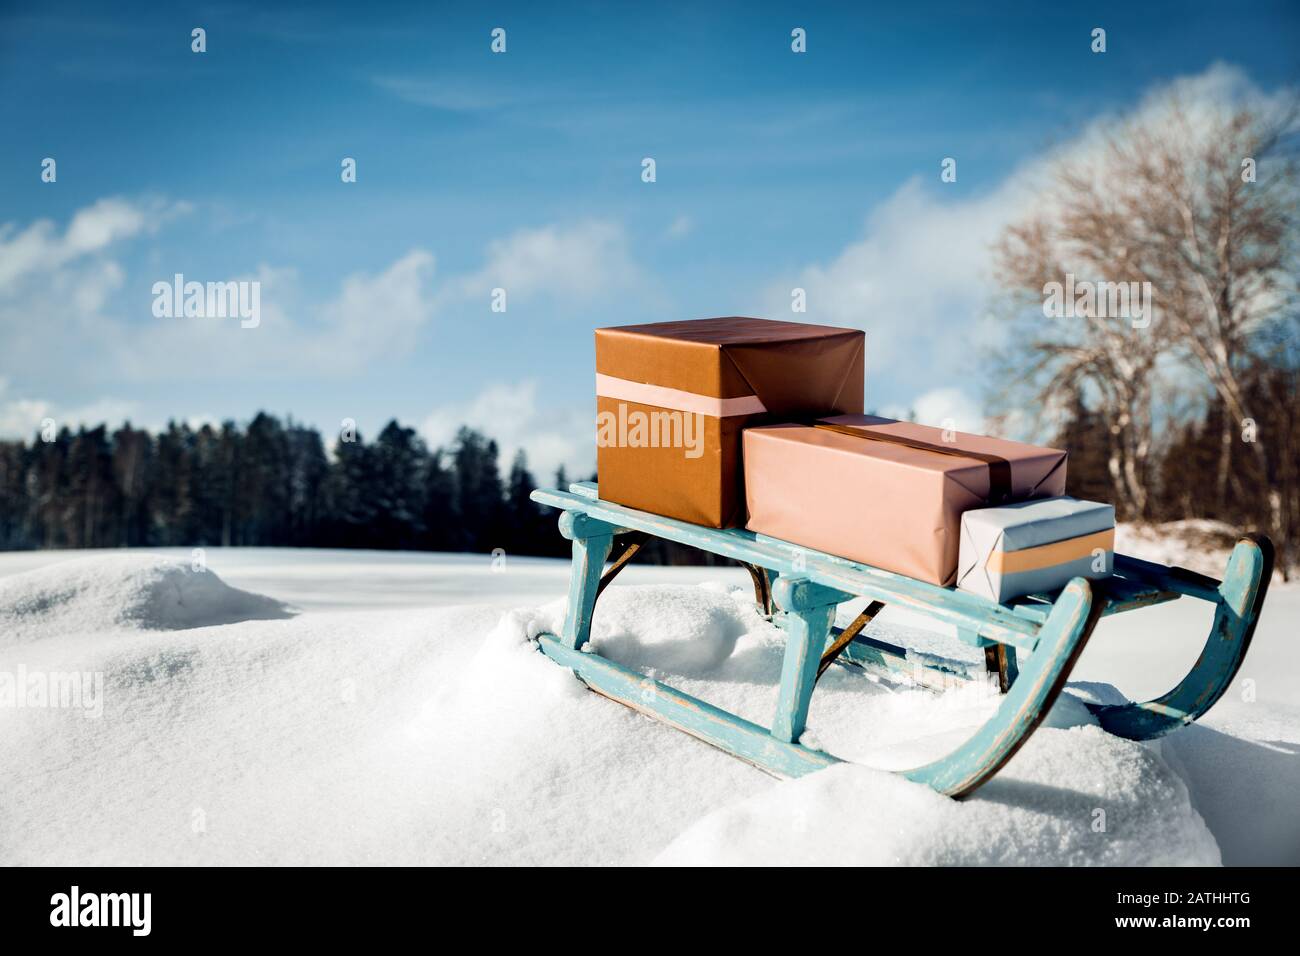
807, 586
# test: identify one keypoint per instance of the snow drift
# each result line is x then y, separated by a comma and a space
116, 591
235, 733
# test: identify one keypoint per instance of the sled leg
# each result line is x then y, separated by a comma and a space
895, 663
808, 611
592, 541
1001, 660
1240, 598
630, 543
1026, 703
848, 636
762, 579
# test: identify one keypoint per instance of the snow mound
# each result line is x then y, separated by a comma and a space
115, 592
686, 630
1071, 797
413, 735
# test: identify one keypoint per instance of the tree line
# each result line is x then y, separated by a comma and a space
273, 484
267, 484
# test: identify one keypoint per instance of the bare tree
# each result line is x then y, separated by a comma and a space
1196, 201
1107, 358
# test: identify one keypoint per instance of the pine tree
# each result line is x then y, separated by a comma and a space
47, 490
14, 504
480, 502
208, 488
89, 491
400, 461
531, 531
443, 528
133, 467
308, 472
351, 507
263, 489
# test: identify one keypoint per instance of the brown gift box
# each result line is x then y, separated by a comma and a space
886, 493
699, 384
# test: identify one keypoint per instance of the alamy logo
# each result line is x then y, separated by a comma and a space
102, 909
1098, 300
638, 429
66, 690
210, 300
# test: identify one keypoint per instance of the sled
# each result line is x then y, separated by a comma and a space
1030, 644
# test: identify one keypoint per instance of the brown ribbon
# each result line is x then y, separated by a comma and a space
999, 467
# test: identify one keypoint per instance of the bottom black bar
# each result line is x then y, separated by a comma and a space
335, 906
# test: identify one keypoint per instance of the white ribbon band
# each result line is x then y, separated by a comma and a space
607, 386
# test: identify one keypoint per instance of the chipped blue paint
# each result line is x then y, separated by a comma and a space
711, 724
1025, 705
1238, 600
592, 540
810, 610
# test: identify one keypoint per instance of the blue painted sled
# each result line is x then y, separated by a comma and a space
802, 588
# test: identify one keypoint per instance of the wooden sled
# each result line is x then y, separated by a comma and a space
802, 588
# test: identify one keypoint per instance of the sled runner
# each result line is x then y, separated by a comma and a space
801, 590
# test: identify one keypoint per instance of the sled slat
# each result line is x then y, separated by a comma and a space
733, 734
988, 620
1178, 580
898, 663
584, 489
1120, 594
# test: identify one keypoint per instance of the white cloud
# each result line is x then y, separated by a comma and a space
378, 315
368, 317
1218, 89
580, 263
918, 281
680, 228
22, 417
41, 249
942, 408
509, 413
447, 93
95, 283
68, 310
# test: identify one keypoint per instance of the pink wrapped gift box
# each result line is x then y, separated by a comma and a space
883, 492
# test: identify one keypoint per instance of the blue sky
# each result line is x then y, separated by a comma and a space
522, 170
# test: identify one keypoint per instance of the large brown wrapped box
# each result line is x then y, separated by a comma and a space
886, 493
704, 381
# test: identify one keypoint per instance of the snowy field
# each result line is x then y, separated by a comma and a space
313, 707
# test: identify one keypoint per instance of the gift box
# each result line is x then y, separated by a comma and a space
1034, 546
672, 399
883, 492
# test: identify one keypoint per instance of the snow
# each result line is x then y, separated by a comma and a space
318, 707
1200, 544
142, 591
1048, 812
